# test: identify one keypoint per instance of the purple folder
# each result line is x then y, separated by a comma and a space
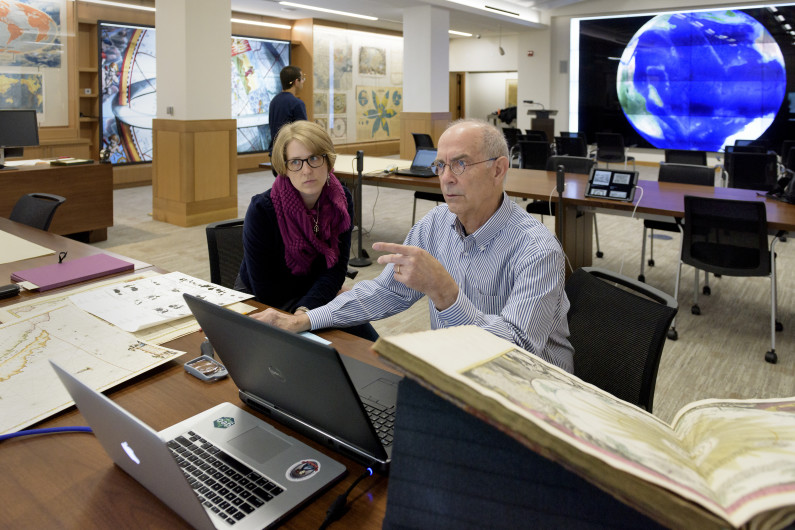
72, 271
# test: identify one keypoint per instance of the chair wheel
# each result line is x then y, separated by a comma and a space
641, 278
706, 290
672, 334
779, 326
650, 263
771, 357
695, 310
600, 254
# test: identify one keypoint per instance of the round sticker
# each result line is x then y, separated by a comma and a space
302, 470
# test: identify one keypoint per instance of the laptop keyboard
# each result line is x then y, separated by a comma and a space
384, 422
226, 486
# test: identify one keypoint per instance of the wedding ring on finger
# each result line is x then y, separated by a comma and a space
397, 269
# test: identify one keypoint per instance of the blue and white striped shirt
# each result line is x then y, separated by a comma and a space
510, 275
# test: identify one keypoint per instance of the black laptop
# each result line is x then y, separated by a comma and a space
344, 404
421, 165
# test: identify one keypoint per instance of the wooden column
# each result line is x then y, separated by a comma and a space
194, 171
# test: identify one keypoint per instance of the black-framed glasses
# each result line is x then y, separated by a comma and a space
456, 166
296, 164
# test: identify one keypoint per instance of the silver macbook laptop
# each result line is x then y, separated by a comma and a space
218, 469
343, 403
421, 165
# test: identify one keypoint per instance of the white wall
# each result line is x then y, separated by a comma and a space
485, 93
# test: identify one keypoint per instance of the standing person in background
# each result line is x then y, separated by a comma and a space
286, 107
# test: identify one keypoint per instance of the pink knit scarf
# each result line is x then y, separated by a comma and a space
296, 225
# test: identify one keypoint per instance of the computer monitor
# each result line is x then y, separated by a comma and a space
18, 128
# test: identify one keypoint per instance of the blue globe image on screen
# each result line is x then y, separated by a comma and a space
700, 80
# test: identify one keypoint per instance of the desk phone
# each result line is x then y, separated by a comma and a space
618, 185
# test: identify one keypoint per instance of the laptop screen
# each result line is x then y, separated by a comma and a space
424, 158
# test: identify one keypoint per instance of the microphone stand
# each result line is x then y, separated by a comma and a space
361, 259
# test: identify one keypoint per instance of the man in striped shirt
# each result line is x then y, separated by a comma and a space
480, 259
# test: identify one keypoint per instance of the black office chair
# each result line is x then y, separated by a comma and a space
683, 174
762, 145
610, 149
753, 171
511, 136
36, 209
571, 164
730, 238
618, 332
686, 156
533, 154
422, 141
571, 146
225, 249
534, 134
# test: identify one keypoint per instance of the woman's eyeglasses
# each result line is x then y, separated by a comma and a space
296, 164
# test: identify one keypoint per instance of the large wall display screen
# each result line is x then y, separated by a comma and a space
687, 80
128, 86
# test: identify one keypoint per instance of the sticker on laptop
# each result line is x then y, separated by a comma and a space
223, 422
302, 470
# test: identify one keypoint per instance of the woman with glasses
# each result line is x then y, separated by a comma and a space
297, 235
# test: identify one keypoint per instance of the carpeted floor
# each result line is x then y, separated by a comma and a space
719, 354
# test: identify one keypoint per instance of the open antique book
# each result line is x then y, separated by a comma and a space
720, 463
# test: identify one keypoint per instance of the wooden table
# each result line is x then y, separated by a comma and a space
88, 189
67, 480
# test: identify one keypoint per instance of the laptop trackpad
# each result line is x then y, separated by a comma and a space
259, 444
380, 390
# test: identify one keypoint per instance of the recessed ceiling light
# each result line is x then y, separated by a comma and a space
460, 33
258, 23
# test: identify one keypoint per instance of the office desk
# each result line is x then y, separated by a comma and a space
67, 480
88, 189
657, 200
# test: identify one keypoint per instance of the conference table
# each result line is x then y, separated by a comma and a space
67, 480
654, 200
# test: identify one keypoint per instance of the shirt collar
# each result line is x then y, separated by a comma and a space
493, 226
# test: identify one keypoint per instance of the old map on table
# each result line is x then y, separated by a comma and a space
102, 354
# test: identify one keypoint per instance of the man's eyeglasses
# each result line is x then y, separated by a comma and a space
296, 164
456, 166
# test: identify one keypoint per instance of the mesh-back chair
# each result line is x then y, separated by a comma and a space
36, 209
753, 171
225, 247
610, 149
683, 174
618, 333
533, 154
571, 146
730, 238
686, 156
422, 141
571, 164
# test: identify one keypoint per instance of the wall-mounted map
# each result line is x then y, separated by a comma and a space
377, 111
21, 91
372, 61
30, 33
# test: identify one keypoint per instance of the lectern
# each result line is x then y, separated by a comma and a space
542, 121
